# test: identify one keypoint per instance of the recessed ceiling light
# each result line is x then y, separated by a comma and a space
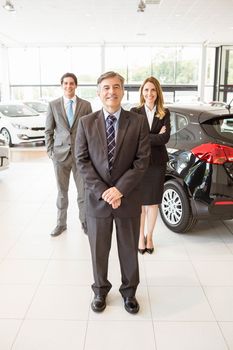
152, 2
141, 34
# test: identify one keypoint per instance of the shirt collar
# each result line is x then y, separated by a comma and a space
66, 100
150, 111
116, 114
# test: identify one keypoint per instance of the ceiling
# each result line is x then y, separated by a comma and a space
75, 22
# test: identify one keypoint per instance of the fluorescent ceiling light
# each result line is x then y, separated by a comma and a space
152, 2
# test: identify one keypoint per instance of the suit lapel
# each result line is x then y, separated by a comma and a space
101, 131
122, 129
62, 108
77, 109
154, 122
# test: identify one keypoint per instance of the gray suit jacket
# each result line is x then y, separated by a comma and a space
59, 137
131, 159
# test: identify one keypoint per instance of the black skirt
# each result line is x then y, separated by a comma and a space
151, 186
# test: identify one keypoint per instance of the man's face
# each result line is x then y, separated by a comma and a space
69, 87
111, 93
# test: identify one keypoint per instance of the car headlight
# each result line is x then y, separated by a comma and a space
18, 126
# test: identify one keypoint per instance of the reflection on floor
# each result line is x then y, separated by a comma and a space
28, 154
185, 294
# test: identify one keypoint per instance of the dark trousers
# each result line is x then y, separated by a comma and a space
100, 237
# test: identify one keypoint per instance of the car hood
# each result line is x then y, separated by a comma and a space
34, 121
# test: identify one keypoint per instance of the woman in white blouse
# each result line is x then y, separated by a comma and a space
152, 107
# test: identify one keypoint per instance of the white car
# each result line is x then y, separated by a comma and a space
39, 106
4, 153
20, 124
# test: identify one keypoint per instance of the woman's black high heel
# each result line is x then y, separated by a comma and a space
149, 250
141, 251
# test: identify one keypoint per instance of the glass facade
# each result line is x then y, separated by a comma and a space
41, 69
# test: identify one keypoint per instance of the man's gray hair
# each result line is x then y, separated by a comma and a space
110, 74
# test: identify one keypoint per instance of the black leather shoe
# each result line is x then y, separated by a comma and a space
98, 303
149, 250
131, 305
84, 227
141, 251
58, 230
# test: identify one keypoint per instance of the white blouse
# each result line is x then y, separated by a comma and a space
150, 115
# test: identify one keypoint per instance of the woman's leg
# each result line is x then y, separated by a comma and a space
151, 216
141, 243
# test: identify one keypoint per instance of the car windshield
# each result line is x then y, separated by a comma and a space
221, 128
17, 111
40, 107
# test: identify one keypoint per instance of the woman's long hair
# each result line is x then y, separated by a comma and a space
159, 100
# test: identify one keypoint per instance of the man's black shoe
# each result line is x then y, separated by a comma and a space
98, 303
131, 305
84, 227
58, 230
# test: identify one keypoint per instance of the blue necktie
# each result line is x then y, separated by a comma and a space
70, 113
110, 131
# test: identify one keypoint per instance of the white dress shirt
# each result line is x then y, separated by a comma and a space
150, 115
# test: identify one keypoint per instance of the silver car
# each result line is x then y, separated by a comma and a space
4, 153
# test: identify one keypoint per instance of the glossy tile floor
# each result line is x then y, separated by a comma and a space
185, 294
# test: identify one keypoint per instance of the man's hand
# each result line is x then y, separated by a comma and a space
111, 195
116, 204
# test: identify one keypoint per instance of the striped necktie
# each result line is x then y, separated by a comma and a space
70, 113
110, 131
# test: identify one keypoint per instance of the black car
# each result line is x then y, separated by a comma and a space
199, 177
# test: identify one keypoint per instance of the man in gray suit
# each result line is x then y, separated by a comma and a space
112, 151
60, 132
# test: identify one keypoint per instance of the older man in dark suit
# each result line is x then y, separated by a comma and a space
60, 133
112, 151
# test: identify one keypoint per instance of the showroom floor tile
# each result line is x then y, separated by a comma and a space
185, 293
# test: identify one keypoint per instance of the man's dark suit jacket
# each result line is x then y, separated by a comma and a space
131, 160
159, 154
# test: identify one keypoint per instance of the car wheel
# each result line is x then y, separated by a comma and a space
7, 136
175, 208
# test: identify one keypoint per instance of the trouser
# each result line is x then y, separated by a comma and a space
62, 173
100, 236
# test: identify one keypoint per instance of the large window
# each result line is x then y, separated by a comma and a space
86, 63
163, 64
225, 88
41, 69
139, 64
24, 67
116, 60
209, 75
54, 62
0, 65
